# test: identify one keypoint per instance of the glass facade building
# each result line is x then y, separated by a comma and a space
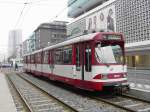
77, 7
132, 18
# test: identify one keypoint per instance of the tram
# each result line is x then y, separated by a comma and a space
91, 61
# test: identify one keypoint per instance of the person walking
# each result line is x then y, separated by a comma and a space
0, 66
16, 66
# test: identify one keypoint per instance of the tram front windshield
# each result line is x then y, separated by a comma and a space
109, 53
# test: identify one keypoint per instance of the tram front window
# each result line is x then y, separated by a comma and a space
109, 53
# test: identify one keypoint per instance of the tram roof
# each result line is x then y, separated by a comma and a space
68, 42
81, 38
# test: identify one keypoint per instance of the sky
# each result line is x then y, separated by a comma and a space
27, 15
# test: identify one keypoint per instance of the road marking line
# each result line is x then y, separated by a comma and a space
147, 91
147, 86
132, 84
139, 85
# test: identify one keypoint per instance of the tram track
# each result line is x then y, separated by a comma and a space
86, 105
36, 99
124, 102
19, 102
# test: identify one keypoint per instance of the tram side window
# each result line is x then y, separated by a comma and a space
58, 53
32, 58
24, 60
63, 55
51, 57
28, 59
77, 58
88, 59
46, 55
67, 57
38, 57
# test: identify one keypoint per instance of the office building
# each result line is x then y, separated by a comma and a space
78, 7
50, 33
130, 17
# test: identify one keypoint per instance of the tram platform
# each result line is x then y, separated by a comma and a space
6, 100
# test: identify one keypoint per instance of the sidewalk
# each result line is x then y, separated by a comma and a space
140, 86
139, 79
6, 100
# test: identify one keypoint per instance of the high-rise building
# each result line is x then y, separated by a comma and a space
14, 43
130, 17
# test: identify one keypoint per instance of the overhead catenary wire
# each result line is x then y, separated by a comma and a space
25, 13
21, 13
58, 14
21, 3
21, 17
11, 2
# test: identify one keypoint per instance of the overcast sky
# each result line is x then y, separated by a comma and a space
16, 15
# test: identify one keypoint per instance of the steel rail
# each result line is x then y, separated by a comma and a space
20, 95
113, 104
63, 103
119, 106
135, 98
96, 98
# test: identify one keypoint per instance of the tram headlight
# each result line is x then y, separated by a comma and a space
105, 76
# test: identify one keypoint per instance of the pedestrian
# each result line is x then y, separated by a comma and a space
16, 66
0, 66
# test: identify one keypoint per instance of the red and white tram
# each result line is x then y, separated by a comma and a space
90, 62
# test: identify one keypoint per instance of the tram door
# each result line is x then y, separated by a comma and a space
83, 61
79, 63
87, 61
51, 61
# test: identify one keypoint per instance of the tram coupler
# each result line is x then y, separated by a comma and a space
120, 89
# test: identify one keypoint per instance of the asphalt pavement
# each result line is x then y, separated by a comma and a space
139, 79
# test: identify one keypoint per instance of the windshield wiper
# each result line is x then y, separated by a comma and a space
97, 57
103, 58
